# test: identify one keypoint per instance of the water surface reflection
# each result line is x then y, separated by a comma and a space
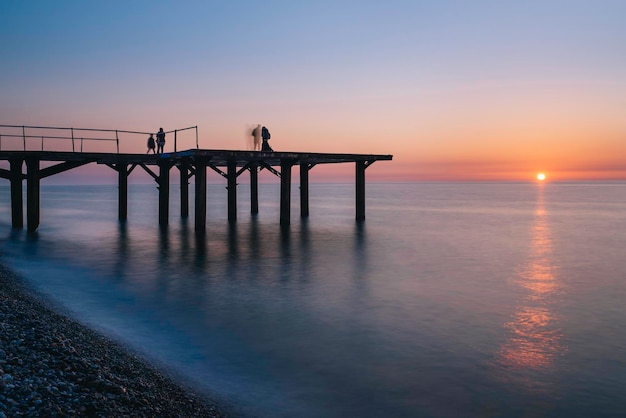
534, 331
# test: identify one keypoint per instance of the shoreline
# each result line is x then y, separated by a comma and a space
52, 365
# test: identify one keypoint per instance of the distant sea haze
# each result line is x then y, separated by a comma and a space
450, 300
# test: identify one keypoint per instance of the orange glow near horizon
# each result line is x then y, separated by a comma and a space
477, 134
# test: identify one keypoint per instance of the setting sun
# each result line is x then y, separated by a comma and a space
541, 177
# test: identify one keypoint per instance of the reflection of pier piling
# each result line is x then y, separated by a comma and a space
191, 163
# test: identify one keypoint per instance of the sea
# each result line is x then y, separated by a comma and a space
449, 300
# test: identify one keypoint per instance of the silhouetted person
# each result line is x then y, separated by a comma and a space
150, 145
256, 138
265, 135
160, 141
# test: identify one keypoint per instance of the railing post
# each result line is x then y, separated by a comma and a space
175, 147
117, 141
197, 137
24, 136
42, 142
72, 139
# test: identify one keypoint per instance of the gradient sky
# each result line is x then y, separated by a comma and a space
455, 90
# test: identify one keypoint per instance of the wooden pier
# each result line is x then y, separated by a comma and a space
190, 163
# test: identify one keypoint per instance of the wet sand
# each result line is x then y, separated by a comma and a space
51, 365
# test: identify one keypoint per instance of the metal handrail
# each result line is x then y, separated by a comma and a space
55, 137
73, 138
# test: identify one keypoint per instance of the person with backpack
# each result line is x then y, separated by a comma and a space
265, 136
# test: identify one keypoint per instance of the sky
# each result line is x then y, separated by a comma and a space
455, 90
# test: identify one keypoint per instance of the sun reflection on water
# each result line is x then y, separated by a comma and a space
534, 332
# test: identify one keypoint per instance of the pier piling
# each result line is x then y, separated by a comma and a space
304, 189
183, 169
254, 189
231, 178
164, 191
200, 199
285, 191
32, 194
122, 192
17, 199
360, 190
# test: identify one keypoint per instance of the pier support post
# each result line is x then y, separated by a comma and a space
254, 189
164, 192
183, 168
304, 189
17, 199
232, 190
32, 194
200, 199
122, 192
360, 190
285, 192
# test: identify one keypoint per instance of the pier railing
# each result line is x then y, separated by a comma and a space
49, 138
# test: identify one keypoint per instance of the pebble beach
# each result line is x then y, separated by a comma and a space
51, 365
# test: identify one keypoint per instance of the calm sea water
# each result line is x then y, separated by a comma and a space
451, 300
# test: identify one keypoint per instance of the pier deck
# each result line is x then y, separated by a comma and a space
190, 163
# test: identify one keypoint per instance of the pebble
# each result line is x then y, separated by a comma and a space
50, 365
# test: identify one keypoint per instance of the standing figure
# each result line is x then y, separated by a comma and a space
160, 141
265, 135
256, 138
150, 145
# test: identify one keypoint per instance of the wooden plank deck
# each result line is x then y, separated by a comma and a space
218, 157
